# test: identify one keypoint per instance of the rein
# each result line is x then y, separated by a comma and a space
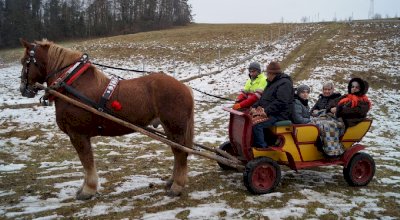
142, 71
118, 68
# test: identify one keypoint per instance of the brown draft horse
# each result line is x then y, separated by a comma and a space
151, 97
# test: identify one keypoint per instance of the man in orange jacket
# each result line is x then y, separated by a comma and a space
253, 88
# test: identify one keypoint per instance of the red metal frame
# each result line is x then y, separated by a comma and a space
350, 153
240, 128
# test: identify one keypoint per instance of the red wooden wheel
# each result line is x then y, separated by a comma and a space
360, 170
262, 175
227, 147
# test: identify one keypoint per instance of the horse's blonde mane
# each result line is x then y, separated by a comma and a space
60, 57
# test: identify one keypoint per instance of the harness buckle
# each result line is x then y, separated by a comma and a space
44, 100
84, 58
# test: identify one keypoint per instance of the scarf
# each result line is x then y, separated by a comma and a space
354, 99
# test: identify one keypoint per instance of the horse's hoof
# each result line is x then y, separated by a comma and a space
168, 184
175, 190
171, 193
83, 196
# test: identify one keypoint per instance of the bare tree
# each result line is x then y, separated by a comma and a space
68, 19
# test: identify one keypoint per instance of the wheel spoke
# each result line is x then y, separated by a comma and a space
264, 176
361, 170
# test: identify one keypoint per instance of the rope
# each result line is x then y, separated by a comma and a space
213, 102
219, 97
118, 68
142, 71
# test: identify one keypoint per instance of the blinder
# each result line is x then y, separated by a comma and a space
26, 89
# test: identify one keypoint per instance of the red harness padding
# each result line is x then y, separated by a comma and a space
69, 76
78, 73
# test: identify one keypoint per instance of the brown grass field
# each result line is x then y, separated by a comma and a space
346, 47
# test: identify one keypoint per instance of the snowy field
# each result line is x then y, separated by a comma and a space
40, 172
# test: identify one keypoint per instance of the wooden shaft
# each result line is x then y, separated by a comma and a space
219, 151
215, 150
220, 159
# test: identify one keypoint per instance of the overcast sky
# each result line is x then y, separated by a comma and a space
269, 11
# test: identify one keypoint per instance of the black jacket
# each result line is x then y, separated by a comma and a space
323, 101
353, 115
277, 98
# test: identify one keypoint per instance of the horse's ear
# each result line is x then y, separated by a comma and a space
24, 43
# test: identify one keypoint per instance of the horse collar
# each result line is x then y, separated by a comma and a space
71, 74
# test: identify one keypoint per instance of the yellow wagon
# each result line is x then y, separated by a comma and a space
296, 146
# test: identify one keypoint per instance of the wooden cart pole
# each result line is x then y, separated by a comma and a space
215, 150
220, 159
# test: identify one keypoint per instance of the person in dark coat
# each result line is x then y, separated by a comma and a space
328, 94
346, 111
276, 101
352, 107
301, 112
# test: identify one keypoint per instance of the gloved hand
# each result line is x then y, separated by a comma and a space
236, 106
240, 97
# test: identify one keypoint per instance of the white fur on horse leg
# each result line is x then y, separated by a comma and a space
89, 187
156, 122
180, 180
179, 174
170, 181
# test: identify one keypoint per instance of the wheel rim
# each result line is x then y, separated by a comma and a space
264, 177
361, 171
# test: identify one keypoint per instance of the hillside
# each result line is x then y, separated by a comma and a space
40, 171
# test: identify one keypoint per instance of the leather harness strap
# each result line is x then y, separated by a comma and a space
72, 73
108, 92
65, 80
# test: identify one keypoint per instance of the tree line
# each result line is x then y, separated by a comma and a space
74, 19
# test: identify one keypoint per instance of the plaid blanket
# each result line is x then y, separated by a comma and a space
331, 128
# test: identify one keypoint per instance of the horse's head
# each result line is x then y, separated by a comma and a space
34, 62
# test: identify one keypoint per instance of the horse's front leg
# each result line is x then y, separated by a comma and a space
84, 149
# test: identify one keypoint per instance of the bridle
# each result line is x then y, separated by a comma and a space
28, 90
25, 88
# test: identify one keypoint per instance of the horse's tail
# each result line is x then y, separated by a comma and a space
189, 134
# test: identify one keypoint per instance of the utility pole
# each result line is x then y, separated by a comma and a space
371, 9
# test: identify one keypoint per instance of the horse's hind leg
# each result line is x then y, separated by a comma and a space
84, 149
179, 174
